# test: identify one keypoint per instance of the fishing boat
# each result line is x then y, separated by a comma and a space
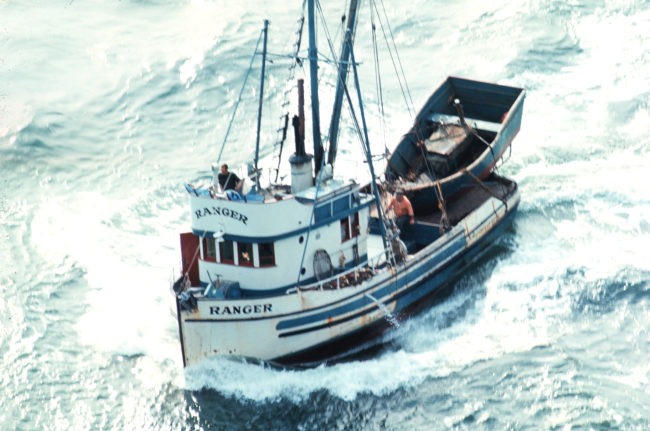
312, 269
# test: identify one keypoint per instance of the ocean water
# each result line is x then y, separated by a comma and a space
108, 108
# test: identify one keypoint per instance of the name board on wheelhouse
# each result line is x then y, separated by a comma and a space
224, 212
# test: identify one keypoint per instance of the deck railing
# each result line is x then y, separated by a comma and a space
370, 263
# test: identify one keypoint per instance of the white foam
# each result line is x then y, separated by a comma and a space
126, 310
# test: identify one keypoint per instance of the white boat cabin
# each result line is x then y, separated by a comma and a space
257, 240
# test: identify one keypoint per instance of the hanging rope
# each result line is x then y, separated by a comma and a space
444, 220
486, 188
496, 168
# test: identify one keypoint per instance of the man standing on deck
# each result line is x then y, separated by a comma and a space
403, 209
228, 180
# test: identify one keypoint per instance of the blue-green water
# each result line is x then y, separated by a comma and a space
108, 108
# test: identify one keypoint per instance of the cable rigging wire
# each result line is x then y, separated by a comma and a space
292, 71
380, 94
381, 24
396, 51
331, 47
239, 97
340, 27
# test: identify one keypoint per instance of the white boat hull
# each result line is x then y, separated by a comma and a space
315, 325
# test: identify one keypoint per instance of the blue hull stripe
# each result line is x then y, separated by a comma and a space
364, 301
421, 289
435, 258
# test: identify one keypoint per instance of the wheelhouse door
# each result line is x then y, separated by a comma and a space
190, 254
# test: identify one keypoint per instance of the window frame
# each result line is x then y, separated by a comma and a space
234, 252
259, 259
345, 229
354, 221
206, 257
350, 222
240, 250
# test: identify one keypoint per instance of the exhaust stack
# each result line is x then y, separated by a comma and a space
301, 171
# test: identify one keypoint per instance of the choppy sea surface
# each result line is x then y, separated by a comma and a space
108, 108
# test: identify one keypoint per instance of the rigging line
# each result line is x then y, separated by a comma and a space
343, 18
365, 152
355, 122
334, 56
496, 168
311, 221
380, 94
290, 78
444, 219
393, 60
373, 178
397, 53
239, 98
330, 44
486, 188
375, 64
427, 163
327, 33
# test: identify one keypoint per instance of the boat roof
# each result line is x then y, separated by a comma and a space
327, 189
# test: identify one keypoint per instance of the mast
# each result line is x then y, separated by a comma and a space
343, 73
313, 71
259, 111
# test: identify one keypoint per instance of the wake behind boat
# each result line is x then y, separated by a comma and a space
312, 269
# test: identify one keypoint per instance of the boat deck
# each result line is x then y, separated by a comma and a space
458, 207
461, 204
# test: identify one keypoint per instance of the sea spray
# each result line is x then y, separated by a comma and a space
389, 317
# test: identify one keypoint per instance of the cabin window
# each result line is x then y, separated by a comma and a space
245, 253
355, 227
345, 229
349, 227
267, 254
227, 252
209, 250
